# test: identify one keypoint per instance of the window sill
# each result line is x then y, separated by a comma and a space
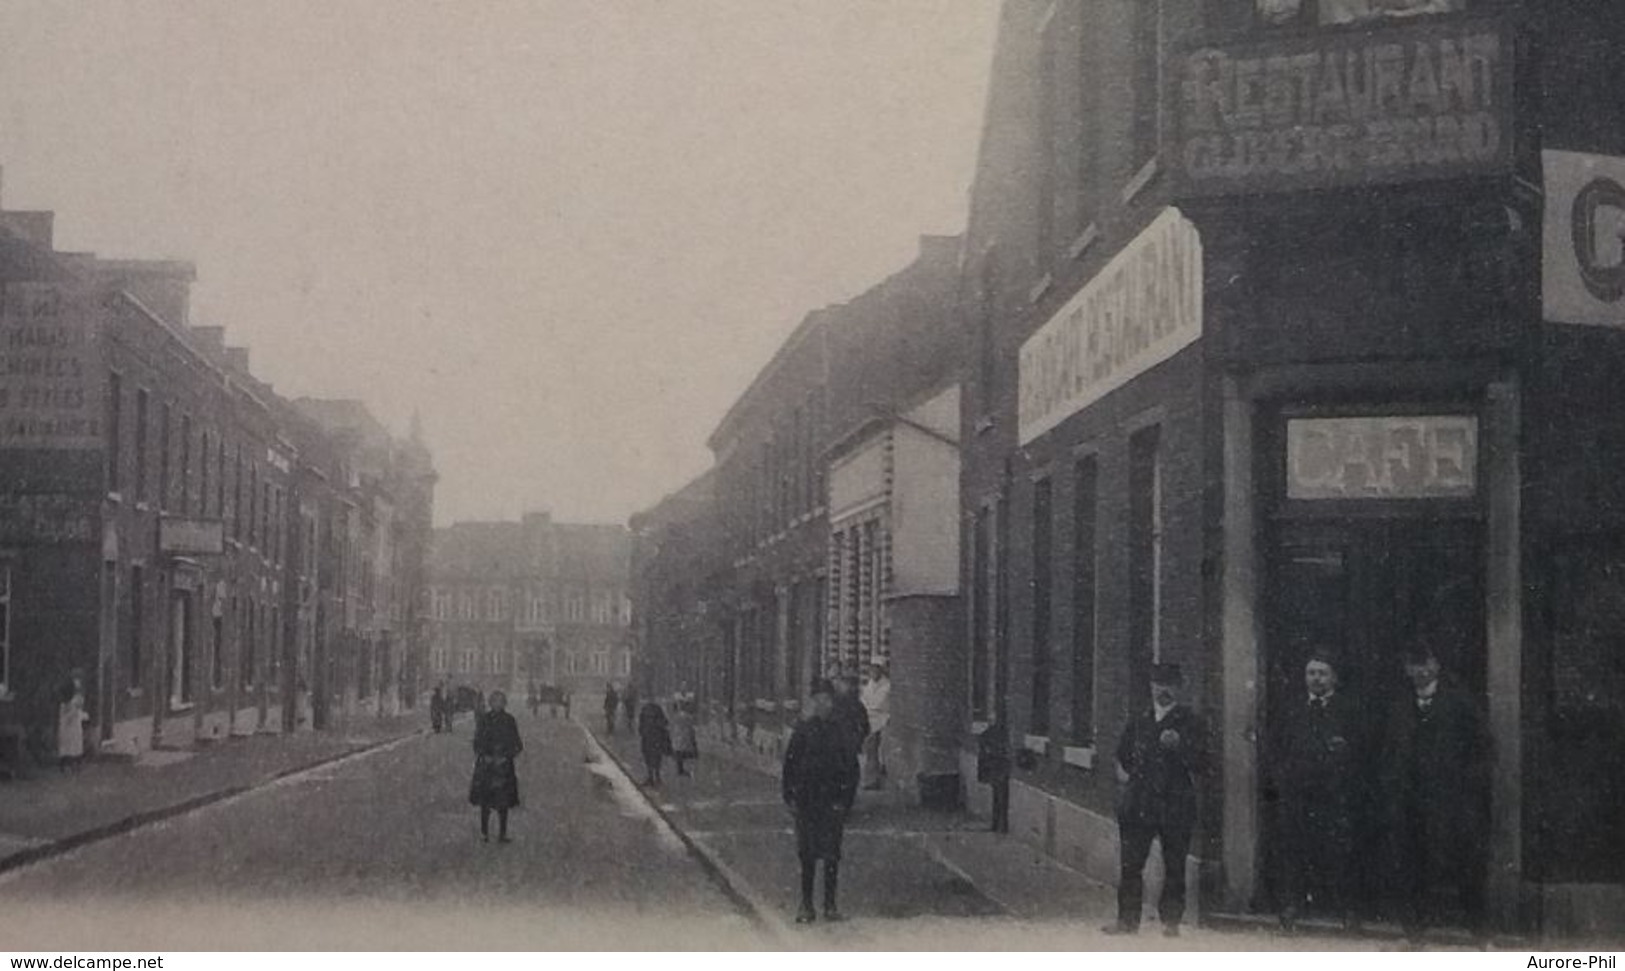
134, 693
1040, 288
1036, 743
1142, 179
1085, 240
1079, 756
181, 707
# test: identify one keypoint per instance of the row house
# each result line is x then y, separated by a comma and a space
530, 603
156, 512
673, 586
1295, 325
803, 588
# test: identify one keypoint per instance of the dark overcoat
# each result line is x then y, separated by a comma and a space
496, 743
820, 783
1161, 787
1436, 767
1314, 763
654, 732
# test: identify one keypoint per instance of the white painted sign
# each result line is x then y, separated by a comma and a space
1141, 309
191, 536
1583, 263
1387, 457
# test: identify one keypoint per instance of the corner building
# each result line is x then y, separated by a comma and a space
1294, 326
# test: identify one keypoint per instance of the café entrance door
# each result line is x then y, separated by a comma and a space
1365, 589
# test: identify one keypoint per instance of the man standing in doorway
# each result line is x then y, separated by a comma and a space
819, 784
1436, 763
876, 699
1162, 752
1313, 761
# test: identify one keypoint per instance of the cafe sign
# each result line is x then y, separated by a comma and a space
1141, 309
1388, 457
1395, 103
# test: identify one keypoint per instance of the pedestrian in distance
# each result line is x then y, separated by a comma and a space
629, 706
612, 704
849, 712
1435, 766
876, 700
70, 720
1162, 753
437, 708
495, 785
654, 740
1313, 761
565, 694
685, 743
534, 698
993, 771
819, 783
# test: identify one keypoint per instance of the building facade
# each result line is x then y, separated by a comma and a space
157, 518
675, 567
533, 602
1287, 338
842, 367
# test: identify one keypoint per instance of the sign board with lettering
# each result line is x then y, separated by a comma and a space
1388, 457
50, 382
48, 518
1395, 103
191, 537
1143, 307
1583, 258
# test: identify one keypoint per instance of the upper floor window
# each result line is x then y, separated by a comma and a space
1147, 44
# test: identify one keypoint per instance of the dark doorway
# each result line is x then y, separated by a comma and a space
1365, 589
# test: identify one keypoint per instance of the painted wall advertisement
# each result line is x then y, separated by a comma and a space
50, 383
1397, 103
1142, 308
1583, 254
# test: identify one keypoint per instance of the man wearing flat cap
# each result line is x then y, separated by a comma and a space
1162, 752
820, 782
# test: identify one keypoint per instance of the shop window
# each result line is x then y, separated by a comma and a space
1085, 499
1042, 588
274, 634
217, 667
247, 661
180, 657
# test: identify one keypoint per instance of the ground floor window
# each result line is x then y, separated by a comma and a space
180, 658
5, 630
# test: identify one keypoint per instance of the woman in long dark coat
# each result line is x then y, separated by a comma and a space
495, 784
654, 738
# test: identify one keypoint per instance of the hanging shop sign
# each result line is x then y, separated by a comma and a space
1387, 457
50, 386
1396, 103
1583, 259
1141, 309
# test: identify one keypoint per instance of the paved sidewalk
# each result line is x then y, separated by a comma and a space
910, 879
46, 813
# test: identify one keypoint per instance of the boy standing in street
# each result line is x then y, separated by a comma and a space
820, 782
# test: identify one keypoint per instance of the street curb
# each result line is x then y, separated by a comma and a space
118, 827
733, 886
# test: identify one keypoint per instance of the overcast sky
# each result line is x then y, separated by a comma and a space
568, 231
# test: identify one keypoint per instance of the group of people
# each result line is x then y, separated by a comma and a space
1428, 793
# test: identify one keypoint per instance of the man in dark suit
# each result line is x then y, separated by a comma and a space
1436, 767
1312, 760
1163, 751
819, 784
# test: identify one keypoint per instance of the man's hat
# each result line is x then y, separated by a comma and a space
822, 687
1166, 673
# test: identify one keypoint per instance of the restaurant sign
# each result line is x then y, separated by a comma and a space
1143, 307
1388, 457
50, 385
1583, 257
1330, 108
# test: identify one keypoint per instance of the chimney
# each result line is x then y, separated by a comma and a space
211, 339
33, 228
237, 357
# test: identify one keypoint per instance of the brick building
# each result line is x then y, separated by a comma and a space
156, 512
1263, 363
533, 601
841, 368
674, 571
